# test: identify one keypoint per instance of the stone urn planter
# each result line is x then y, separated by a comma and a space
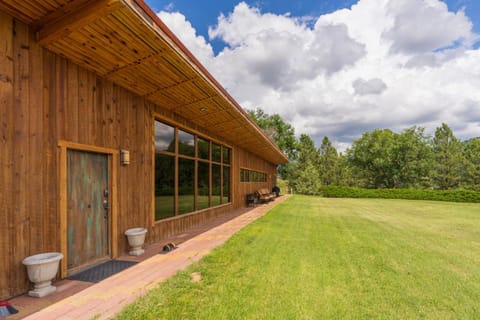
41, 269
136, 238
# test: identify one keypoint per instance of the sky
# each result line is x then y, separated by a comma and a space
339, 68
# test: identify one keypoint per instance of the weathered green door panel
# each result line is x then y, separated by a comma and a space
87, 219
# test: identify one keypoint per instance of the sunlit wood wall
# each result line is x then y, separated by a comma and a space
46, 100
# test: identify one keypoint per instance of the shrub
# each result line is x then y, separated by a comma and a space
409, 194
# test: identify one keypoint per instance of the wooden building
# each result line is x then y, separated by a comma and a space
108, 122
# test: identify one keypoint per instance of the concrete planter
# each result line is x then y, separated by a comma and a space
41, 269
136, 238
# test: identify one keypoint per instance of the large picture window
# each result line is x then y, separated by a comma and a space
191, 172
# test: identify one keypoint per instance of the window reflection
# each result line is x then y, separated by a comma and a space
216, 184
226, 185
186, 143
203, 186
186, 187
226, 155
252, 176
196, 160
164, 137
203, 149
216, 153
164, 186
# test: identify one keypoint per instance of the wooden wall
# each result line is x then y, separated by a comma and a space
249, 161
46, 100
27, 157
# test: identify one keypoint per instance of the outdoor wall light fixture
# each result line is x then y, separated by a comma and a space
124, 157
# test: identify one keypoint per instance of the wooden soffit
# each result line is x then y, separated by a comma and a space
125, 42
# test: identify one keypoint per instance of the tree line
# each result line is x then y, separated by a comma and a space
378, 159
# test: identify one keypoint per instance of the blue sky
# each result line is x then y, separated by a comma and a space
340, 68
204, 13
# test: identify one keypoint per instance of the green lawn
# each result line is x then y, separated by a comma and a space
318, 258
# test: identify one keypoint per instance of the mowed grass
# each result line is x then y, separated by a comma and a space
318, 258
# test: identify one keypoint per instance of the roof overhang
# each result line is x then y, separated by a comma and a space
125, 42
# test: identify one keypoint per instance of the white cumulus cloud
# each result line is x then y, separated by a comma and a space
281, 51
379, 64
423, 26
372, 86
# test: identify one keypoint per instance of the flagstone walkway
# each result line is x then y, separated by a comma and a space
105, 299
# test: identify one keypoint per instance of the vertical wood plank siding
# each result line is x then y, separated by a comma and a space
7, 284
45, 99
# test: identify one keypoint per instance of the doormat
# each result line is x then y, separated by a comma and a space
102, 271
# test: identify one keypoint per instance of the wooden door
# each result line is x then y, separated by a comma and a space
87, 208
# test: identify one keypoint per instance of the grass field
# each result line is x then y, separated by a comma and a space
318, 258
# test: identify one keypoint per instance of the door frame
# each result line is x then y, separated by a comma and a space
113, 162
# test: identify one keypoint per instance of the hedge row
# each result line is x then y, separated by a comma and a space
409, 194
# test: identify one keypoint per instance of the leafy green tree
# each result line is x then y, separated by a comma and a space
281, 132
384, 159
343, 172
471, 170
306, 180
449, 159
307, 151
276, 128
378, 159
305, 176
328, 163
412, 159
371, 158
